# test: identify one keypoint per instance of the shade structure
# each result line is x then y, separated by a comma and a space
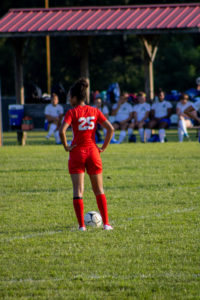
142, 19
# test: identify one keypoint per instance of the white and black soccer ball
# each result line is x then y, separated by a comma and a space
93, 219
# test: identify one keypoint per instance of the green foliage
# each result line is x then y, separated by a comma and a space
177, 62
112, 58
153, 201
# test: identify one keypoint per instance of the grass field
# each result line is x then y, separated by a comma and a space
153, 193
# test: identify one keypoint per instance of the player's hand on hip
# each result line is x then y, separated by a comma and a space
101, 150
69, 148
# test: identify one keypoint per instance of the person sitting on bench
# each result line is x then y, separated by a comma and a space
54, 114
160, 117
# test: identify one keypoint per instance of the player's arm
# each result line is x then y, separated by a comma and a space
135, 117
63, 138
115, 110
152, 114
109, 133
191, 112
178, 112
169, 112
146, 116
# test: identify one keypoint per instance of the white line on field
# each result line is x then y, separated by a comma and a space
28, 236
87, 277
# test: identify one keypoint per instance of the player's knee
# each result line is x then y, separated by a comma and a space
78, 192
98, 190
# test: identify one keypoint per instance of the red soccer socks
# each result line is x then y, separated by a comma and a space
102, 205
79, 210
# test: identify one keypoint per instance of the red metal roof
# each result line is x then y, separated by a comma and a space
96, 20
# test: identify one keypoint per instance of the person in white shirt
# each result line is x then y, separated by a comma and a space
140, 116
183, 120
192, 110
54, 114
105, 111
160, 112
123, 114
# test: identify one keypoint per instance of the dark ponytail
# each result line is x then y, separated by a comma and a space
79, 90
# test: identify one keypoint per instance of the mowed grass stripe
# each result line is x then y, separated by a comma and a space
153, 199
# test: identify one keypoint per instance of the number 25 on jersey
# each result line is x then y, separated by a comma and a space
86, 123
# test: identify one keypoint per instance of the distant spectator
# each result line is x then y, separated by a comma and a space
140, 116
105, 111
53, 114
192, 110
183, 120
123, 114
160, 117
102, 107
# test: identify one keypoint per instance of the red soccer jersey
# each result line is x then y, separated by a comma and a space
83, 120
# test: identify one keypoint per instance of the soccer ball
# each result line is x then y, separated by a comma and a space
93, 219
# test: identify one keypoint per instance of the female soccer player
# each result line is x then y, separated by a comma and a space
84, 153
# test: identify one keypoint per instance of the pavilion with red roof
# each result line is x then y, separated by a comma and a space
147, 21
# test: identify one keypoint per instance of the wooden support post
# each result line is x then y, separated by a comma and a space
48, 57
84, 61
19, 82
151, 48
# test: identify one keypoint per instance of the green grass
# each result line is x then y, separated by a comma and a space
153, 193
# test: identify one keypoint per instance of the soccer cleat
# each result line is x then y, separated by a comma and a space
187, 136
107, 227
82, 228
113, 141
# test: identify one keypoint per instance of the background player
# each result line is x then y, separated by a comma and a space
160, 112
192, 110
184, 122
84, 153
53, 114
104, 109
123, 114
140, 116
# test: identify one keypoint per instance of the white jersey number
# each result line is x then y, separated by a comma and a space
86, 123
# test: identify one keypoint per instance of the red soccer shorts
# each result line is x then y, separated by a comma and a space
85, 158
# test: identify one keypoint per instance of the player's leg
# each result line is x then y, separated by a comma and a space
94, 169
78, 189
76, 165
122, 134
151, 125
115, 126
141, 130
162, 126
57, 137
183, 127
52, 128
97, 186
131, 128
